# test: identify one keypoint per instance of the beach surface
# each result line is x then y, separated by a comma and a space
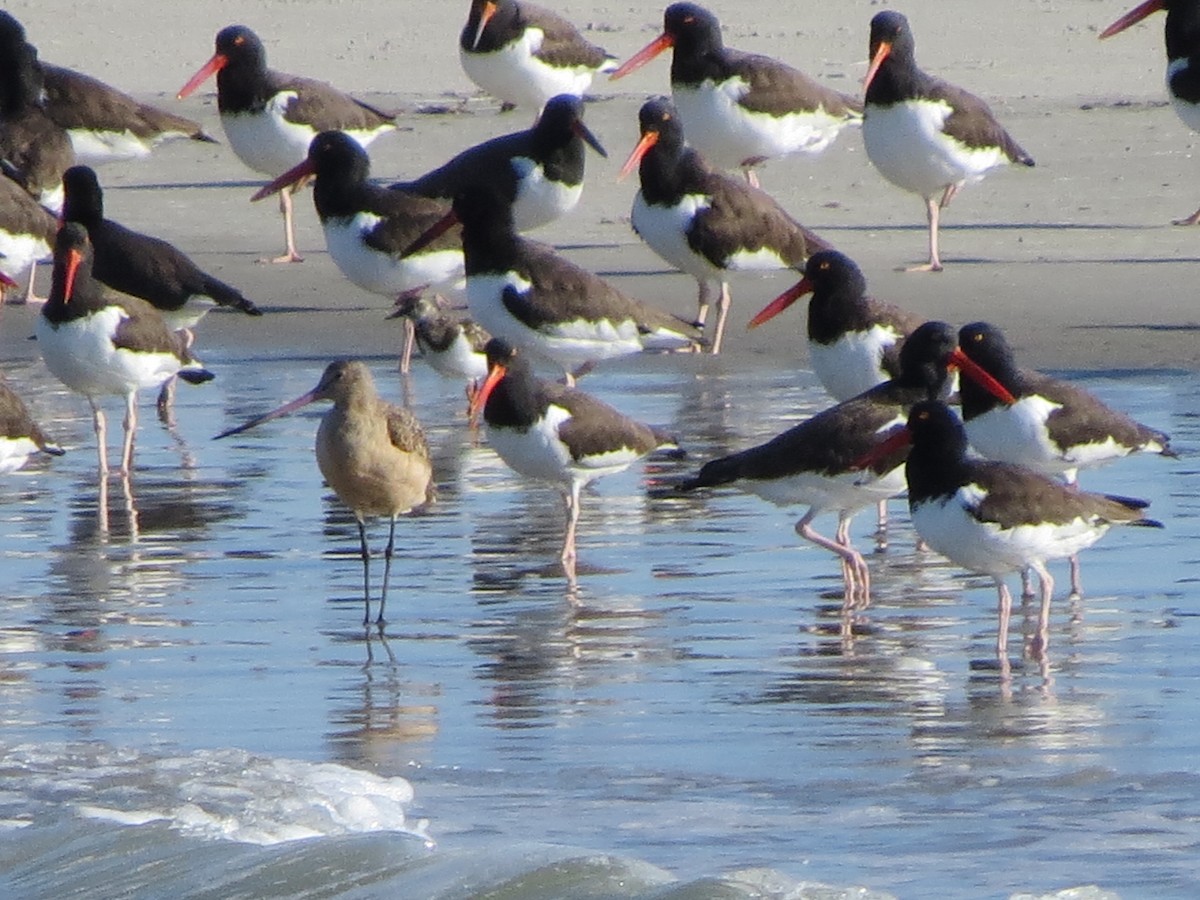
1076, 259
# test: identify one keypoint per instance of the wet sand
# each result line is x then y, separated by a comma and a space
1075, 258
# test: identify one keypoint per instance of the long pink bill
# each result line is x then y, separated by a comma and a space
295, 174
296, 404
1132, 17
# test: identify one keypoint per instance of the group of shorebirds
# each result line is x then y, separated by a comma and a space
121, 305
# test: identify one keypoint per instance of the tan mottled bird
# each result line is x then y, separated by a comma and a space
372, 453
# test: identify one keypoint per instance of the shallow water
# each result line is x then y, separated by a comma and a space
191, 707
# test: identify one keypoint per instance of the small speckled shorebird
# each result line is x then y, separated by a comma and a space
372, 453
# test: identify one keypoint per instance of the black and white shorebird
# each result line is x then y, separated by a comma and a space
27, 232
995, 517
453, 346
541, 303
104, 124
741, 109
144, 266
523, 54
372, 453
552, 433
1052, 426
539, 170
923, 134
1182, 36
35, 150
853, 339
817, 463
705, 222
20, 434
99, 343
270, 118
368, 227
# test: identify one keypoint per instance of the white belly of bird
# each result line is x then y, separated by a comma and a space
538, 453
82, 356
93, 147
459, 360
268, 143
851, 364
950, 529
19, 251
566, 344
849, 491
14, 452
1189, 113
906, 144
1018, 434
385, 273
188, 315
539, 200
728, 134
664, 229
513, 74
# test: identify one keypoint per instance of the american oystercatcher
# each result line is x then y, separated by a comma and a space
1182, 34
702, 221
817, 463
923, 134
1051, 426
995, 517
523, 54
539, 171
452, 345
104, 124
26, 232
144, 266
853, 339
20, 435
271, 118
34, 149
372, 453
98, 343
527, 294
368, 227
557, 434
741, 109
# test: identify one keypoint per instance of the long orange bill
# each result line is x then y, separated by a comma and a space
649, 139
206, 71
296, 404
1132, 17
74, 258
981, 376
882, 52
432, 233
782, 302
479, 400
643, 56
489, 10
302, 170
892, 444
585, 134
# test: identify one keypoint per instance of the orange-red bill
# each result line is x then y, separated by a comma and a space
432, 233
643, 56
74, 258
479, 400
649, 139
891, 445
489, 10
782, 302
297, 172
206, 71
980, 376
1132, 17
882, 52
6, 281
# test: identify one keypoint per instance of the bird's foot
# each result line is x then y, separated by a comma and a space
290, 257
925, 267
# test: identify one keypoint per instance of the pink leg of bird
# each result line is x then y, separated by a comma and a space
850, 556
130, 430
569, 556
1041, 638
722, 314
933, 215
1003, 614
290, 253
